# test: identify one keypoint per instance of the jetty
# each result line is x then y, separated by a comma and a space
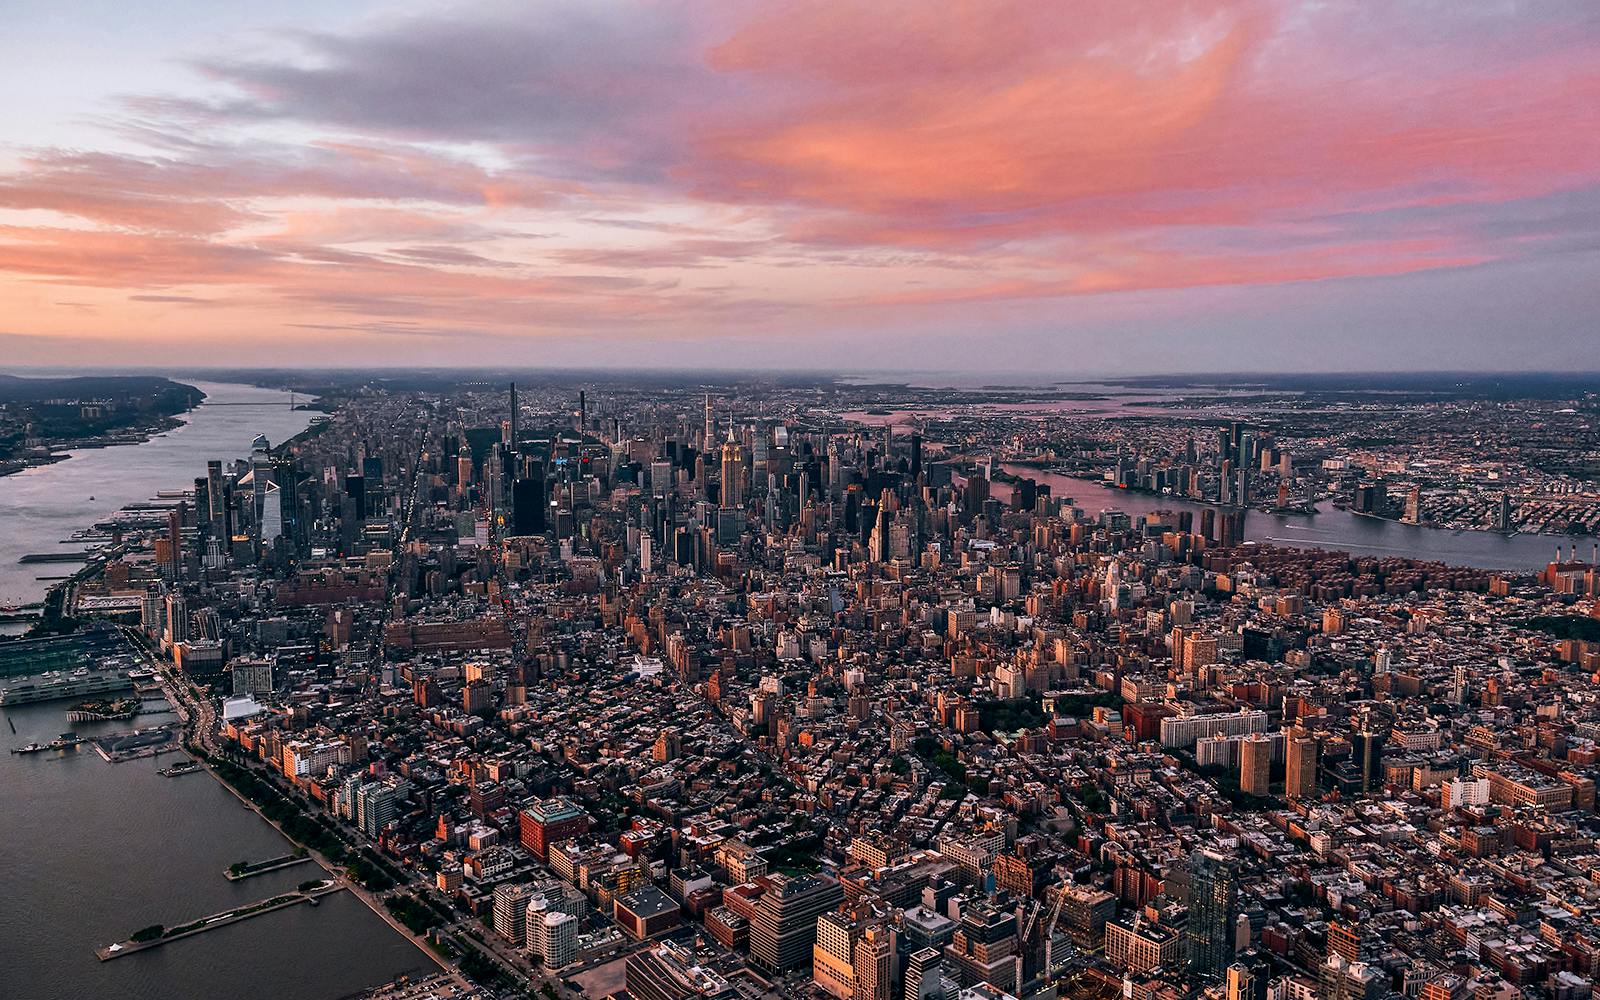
242, 871
156, 936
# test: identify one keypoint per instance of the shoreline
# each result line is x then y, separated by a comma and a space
1443, 529
143, 435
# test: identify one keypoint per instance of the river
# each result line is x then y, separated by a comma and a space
1330, 528
41, 507
93, 851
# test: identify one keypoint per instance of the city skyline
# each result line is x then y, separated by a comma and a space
1132, 188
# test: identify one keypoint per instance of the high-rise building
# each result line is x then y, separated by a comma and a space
1255, 764
985, 948
875, 963
528, 506
511, 912
1367, 746
732, 473
785, 923
923, 977
214, 495
374, 807
833, 955
1300, 772
177, 620
1213, 909
553, 935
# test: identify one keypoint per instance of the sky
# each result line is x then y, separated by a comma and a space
1084, 187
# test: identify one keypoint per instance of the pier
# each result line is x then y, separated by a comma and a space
240, 872
155, 937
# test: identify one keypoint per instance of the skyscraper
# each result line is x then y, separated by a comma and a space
1213, 908
785, 924
732, 471
1300, 771
1367, 746
214, 495
528, 506
1255, 764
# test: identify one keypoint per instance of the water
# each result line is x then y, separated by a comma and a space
1330, 528
42, 506
94, 851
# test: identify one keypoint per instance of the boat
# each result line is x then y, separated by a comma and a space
30, 748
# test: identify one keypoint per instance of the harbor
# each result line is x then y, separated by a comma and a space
186, 831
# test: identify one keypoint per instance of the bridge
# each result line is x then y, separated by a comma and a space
262, 403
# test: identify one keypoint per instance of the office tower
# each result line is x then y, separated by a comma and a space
202, 503
515, 436
355, 487
785, 924
528, 506
875, 963
732, 471
923, 978
464, 467
916, 455
985, 948
511, 912
374, 807
271, 515
177, 619
152, 612
1255, 764
1413, 512
175, 541
1502, 517
1300, 772
583, 411
709, 440
1208, 524
1367, 746
880, 531
833, 954
1242, 495
1213, 908
214, 494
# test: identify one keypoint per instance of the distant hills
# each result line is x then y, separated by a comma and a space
16, 389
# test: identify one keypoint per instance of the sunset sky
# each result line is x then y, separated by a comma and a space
1074, 186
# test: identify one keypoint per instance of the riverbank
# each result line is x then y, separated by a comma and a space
1329, 528
44, 508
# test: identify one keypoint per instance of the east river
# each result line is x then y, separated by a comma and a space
1331, 528
91, 851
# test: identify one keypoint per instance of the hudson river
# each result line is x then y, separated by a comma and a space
94, 851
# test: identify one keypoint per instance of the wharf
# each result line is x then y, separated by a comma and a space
262, 867
215, 920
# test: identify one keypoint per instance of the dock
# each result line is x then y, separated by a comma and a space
215, 920
262, 867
